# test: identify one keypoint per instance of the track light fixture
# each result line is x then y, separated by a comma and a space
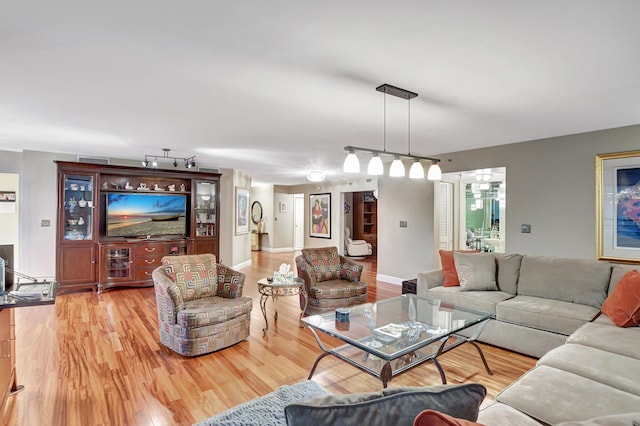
189, 162
352, 164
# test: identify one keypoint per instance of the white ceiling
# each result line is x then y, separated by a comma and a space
277, 88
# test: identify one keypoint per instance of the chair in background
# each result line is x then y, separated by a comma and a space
200, 304
356, 248
331, 280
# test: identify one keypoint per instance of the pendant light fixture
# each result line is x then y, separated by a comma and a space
376, 167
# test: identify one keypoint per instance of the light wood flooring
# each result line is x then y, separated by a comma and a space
96, 360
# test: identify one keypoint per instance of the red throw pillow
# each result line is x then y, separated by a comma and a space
449, 267
436, 418
623, 304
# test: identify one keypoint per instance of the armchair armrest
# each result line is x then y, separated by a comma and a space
306, 273
427, 280
168, 296
351, 271
230, 282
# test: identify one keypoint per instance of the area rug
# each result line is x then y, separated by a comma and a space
267, 410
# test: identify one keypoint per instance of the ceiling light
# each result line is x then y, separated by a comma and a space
434, 173
189, 162
416, 171
352, 164
375, 167
316, 176
397, 168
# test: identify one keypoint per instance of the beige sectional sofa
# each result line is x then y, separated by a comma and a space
547, 307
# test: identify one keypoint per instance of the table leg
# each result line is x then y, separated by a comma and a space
304, 309
386, 374
263, 307
274, 298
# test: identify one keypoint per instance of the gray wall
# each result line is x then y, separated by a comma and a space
550, 185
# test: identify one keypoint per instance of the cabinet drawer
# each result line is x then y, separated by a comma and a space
141, 274
147, 261
149, 250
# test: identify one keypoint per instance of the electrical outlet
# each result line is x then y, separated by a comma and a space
525, 229
45, 223
403, 224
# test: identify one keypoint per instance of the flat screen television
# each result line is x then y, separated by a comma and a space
146, 214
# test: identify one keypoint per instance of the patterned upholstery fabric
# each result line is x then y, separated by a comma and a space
331, 281
200, 304
195, 275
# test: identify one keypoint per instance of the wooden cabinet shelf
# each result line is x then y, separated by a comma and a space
365, 218
90, 257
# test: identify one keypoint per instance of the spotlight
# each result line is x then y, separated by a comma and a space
145, 163
193, 163
155, 163
175, 163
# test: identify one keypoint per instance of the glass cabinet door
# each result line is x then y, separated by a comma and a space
78, 207
117, 263
205, 209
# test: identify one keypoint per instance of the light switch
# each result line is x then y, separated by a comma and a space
525, 228
403, 224
45, 223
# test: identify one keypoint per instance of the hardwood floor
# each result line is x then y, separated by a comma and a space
96, 360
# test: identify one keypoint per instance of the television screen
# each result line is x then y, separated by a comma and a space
148, 214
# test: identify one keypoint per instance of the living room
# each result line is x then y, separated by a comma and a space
550, 166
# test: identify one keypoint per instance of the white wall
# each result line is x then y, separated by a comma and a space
240, 244
9, 222
283, 221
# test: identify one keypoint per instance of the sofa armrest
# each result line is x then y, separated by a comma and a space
427, 280
168, 296
230, 282
351, 271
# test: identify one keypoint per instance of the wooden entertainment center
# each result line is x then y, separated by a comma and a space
99, 249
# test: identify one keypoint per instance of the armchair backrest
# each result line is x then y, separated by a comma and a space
325, 262
195, 275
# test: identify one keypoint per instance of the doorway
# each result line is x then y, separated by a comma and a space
470, 210
298, 221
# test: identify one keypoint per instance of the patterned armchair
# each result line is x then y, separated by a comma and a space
200, 304
331, 281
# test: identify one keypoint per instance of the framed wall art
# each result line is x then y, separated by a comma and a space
618, 206
320, 212
242, 211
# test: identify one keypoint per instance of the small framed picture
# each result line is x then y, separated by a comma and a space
320, 211
8, 196
242, 211
283, 207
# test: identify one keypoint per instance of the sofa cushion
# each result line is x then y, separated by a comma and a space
623, 304
625, 419
617, 272
623, 341
194, 275
482, 300
476, 271
502, 414
401, 404
553, 396
580, 281
546, 314
325, 261
449, 267
618, 371
508, 271
337, 289
436, 418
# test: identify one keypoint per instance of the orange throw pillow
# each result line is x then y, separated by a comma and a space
449, 267
623, 304
436, 418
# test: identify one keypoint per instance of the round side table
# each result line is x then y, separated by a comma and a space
274, 290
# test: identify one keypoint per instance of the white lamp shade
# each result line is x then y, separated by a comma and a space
397, 168
434, 173
416, 171
375, 166
351, 164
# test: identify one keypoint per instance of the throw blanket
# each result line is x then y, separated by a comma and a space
267, 410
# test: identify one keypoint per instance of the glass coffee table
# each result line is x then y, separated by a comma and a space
394, 335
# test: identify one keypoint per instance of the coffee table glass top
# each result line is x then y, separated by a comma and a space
394, 327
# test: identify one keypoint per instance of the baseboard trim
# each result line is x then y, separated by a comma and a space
241, 265
277, 250
389, 279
